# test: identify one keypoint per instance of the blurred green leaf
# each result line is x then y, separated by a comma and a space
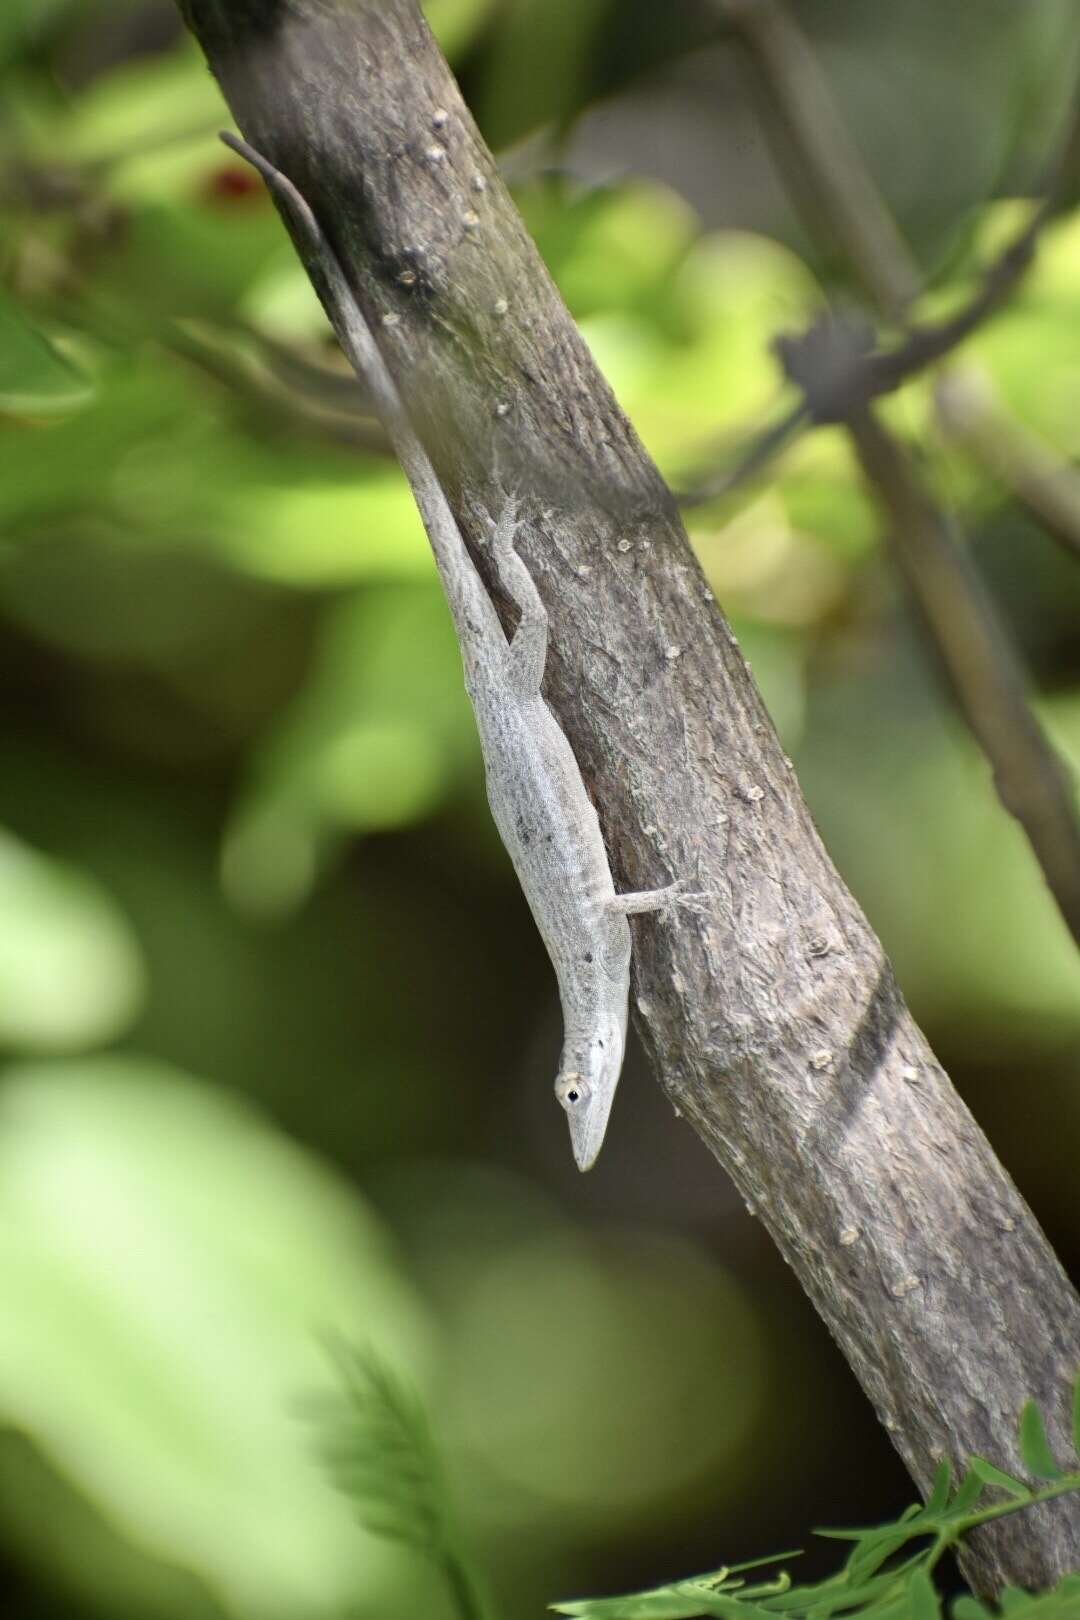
381, 1453
51, 1526
333, 525
23, 21
35, 378
612, 248
71, 973
126, 114
1032, 347
923, 1600
167, 1261
939, 1491
1003, 958
376, 739
1034, 1446
376, 1442
195, 255
160, 457
116, 603
736, 291
539, 62
455, 23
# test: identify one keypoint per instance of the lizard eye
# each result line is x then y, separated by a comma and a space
572, 1089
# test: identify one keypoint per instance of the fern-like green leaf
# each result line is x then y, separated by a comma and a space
717, 1593
878, 1548
379, 1450
1034, 1446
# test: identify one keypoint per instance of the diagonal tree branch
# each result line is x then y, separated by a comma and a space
772, 1017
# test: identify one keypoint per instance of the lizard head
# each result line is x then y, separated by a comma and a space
585, 1086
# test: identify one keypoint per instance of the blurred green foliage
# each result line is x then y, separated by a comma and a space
244, 833
166, 1260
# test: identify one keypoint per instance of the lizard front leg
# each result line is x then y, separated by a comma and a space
528, 650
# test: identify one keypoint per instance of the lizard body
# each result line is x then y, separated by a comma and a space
535, 789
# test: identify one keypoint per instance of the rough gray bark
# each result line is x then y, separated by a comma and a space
772, 1018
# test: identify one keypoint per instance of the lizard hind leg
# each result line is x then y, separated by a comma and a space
672, 894
528, 649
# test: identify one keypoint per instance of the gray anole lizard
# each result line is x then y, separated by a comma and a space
535, 789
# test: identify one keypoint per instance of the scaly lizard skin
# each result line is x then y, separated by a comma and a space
537, 796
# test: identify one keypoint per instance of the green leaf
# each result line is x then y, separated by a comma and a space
1059, 1603
712, 1594
679, 1602
380, 1453
71, 972
35, 378
990, 1475
1034, 1446
132, 115
876, 1549
968, 1492
836, 1595
376, 739
455, 23
123, 1180
939, 1491
733, 1607
922, 1598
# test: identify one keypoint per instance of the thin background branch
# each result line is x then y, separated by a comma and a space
1037, 476
974, 647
